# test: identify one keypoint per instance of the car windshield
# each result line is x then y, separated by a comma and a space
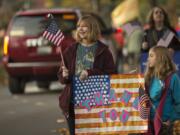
35, 25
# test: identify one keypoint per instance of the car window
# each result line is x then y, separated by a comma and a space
66, 22
26, 25
35, 25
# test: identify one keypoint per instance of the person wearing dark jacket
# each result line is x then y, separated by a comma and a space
159, 27
87, 57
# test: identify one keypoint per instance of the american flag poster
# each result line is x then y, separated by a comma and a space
108, 105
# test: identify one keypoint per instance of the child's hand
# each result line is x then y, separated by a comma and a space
83, 75
65, 72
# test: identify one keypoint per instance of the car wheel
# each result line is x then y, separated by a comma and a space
16, 85
43, 84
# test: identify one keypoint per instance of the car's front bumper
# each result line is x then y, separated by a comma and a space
32, 69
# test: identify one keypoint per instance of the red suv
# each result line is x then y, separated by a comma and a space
27, 55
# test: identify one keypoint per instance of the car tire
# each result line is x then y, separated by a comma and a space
16, 85
43, 84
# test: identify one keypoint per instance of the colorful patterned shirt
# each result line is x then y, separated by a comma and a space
85, 57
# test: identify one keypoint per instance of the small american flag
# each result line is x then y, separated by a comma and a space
144, 103
108, 104
53, 33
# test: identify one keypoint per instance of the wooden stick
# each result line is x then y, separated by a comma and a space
62, 56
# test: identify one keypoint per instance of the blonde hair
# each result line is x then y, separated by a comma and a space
94, 29
163, 65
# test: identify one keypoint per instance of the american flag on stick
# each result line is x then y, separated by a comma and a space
108, 105
54, 34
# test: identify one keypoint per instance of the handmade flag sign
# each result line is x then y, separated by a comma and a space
108, 105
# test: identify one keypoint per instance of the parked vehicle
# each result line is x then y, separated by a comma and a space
27, 55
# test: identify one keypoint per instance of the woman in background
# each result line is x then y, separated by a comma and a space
159, 25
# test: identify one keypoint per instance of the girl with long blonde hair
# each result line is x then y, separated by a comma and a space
160, 66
